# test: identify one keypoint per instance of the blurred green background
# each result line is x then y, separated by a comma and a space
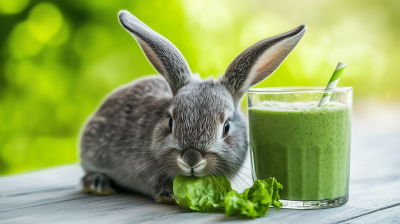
59, 59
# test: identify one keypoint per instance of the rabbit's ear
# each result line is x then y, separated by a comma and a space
259, 61
161, 53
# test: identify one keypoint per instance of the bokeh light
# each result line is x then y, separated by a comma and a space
21, 43
44, 21
13, 6
59, 59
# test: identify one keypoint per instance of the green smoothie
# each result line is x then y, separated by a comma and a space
306, 148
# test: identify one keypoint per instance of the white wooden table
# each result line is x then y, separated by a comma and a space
54, 195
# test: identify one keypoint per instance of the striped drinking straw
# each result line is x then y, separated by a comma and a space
332, 84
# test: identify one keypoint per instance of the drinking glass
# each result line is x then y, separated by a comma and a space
305, 147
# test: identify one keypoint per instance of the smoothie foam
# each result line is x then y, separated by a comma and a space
306, 148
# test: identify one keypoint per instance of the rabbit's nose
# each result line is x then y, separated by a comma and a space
192, 157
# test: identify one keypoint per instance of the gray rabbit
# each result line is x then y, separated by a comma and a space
148, 131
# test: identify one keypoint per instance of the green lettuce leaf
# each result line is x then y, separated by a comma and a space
274, 186
201, 193
255, 201
211, 192
236, 204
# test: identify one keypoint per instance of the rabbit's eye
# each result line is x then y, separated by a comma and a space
226, 129
170, 124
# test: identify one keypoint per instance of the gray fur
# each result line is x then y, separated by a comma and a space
128, 139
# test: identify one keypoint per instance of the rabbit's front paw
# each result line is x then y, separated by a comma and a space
97, 184
166, 197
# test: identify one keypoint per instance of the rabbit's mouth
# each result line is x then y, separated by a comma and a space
191, 169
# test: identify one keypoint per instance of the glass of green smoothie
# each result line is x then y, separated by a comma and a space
305, 147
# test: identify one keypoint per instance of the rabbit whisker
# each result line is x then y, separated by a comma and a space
135, 171
132, 154
219, 180
240, 166
152, 174
242, 179
215, 180
238, 180
132, 162
244, 174
229, 176
164, 179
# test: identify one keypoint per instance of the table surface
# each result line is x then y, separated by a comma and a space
54, 195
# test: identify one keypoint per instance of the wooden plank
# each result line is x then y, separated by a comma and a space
122, 210
62, 177
386, 215
374, 156
74, 206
